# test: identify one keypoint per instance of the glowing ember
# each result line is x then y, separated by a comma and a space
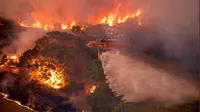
138, 13
103, 20
92, 89
8, 64
13, 57
64, 27
48, 74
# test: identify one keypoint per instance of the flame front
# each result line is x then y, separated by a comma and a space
116, 18
38, 24
112, 18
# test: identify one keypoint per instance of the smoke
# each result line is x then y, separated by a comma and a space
26, 40
77, 99
137, 81
52, 12
172, 31
176, 22
60, 10
6, 82
80, 101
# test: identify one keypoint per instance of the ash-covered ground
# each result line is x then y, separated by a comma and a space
83, 68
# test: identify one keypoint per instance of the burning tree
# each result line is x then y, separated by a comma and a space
62, 62
55, 63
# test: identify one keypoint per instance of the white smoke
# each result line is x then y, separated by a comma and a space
26, 40
138, 81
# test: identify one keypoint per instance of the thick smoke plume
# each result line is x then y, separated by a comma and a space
172, 31
60, 10
139, 81
26, 40
85, 9
176, 21
52, 12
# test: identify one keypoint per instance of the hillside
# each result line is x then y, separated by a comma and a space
82, 69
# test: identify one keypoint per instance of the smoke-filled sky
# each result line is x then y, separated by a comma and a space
60, 10
177, 20
174, 28
86, 8
179, 13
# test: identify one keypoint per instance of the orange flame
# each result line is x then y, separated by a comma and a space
7, 64
115, 18
14, 58
52, 26
90, 88
48, 74
37, 24
111, 19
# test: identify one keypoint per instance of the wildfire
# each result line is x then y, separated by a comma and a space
43, 71
112, 18
14, 58
8, 64
38, 24
49, 74
115, 18
90, 89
